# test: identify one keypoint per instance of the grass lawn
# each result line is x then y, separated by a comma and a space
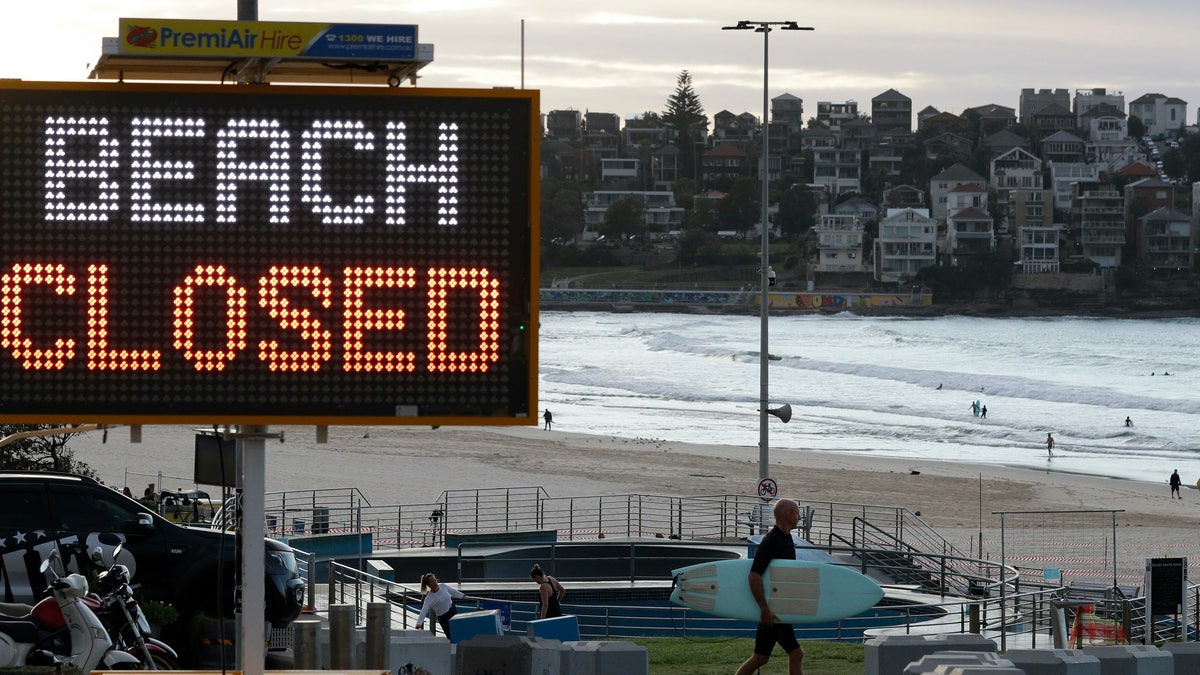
713, 656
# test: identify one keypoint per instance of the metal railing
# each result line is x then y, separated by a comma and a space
721, 517
1024, 614
889, 543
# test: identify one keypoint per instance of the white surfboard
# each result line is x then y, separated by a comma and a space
798, 591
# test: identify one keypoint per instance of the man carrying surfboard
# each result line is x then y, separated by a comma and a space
776, 545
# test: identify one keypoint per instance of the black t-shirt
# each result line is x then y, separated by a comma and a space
777, 544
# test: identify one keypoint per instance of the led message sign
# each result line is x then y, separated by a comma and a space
266, 254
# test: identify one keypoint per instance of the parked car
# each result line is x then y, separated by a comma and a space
192, 568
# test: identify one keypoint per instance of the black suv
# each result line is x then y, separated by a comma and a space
188, 567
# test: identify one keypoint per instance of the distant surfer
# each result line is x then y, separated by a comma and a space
1050, 444
983, 412
939, 386
776, 545
974, 408
1175, 483
1128, 422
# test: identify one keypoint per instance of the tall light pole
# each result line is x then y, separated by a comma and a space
765, 276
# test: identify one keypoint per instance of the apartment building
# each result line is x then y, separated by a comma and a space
1032, 102
1039, 249
1098, 215
1062, 146
564, 124
1029, 208
833, 115
1086, 99
907, 243
1160, 114
840, 242
1016, 169
969, 226
727, 160
944, 182
1166, 241
1065, 174
789, 110
837, 170
892, 109
659, 210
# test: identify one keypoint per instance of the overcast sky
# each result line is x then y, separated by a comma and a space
623, 56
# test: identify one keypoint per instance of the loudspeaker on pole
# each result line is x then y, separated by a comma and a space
783, 412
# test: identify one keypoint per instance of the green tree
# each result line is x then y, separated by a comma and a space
1137, 128
685, 190
685, 117
1174, 163
646, 120
702, 215
626, 217
740, 209
40, 453
699, 247
1189, 145
797, 211
562, 211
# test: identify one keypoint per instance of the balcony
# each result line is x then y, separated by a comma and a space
1102, 238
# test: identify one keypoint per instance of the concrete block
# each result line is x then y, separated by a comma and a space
602, 658
931, 662
1186, 656
357, 645
1054, 661
467, 625
414, 653
1133, 660
510, 655
564, 628
381, 569
889, 654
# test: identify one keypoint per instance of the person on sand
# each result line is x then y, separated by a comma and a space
551, 592
1175, 483
776, 545
439, 600
1050, 445
549, 419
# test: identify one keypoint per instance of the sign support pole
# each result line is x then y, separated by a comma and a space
252, 614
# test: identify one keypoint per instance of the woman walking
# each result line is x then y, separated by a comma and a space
439, 600
550, 591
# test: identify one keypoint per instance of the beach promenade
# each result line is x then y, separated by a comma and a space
399, 465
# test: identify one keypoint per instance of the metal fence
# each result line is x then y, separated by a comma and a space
885, 542
1014, 613
722, 517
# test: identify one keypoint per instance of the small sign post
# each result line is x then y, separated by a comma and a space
768, 489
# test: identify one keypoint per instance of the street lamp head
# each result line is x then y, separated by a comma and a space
791, 25
741, 25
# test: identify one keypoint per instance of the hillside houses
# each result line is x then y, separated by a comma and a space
1057, 182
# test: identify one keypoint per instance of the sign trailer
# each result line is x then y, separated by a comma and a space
177, 254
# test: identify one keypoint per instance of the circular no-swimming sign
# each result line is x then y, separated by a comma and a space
768, 489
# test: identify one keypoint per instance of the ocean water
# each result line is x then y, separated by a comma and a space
890, 386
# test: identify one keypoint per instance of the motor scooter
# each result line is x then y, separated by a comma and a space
61, 618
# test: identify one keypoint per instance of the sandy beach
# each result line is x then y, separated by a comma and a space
397, 465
